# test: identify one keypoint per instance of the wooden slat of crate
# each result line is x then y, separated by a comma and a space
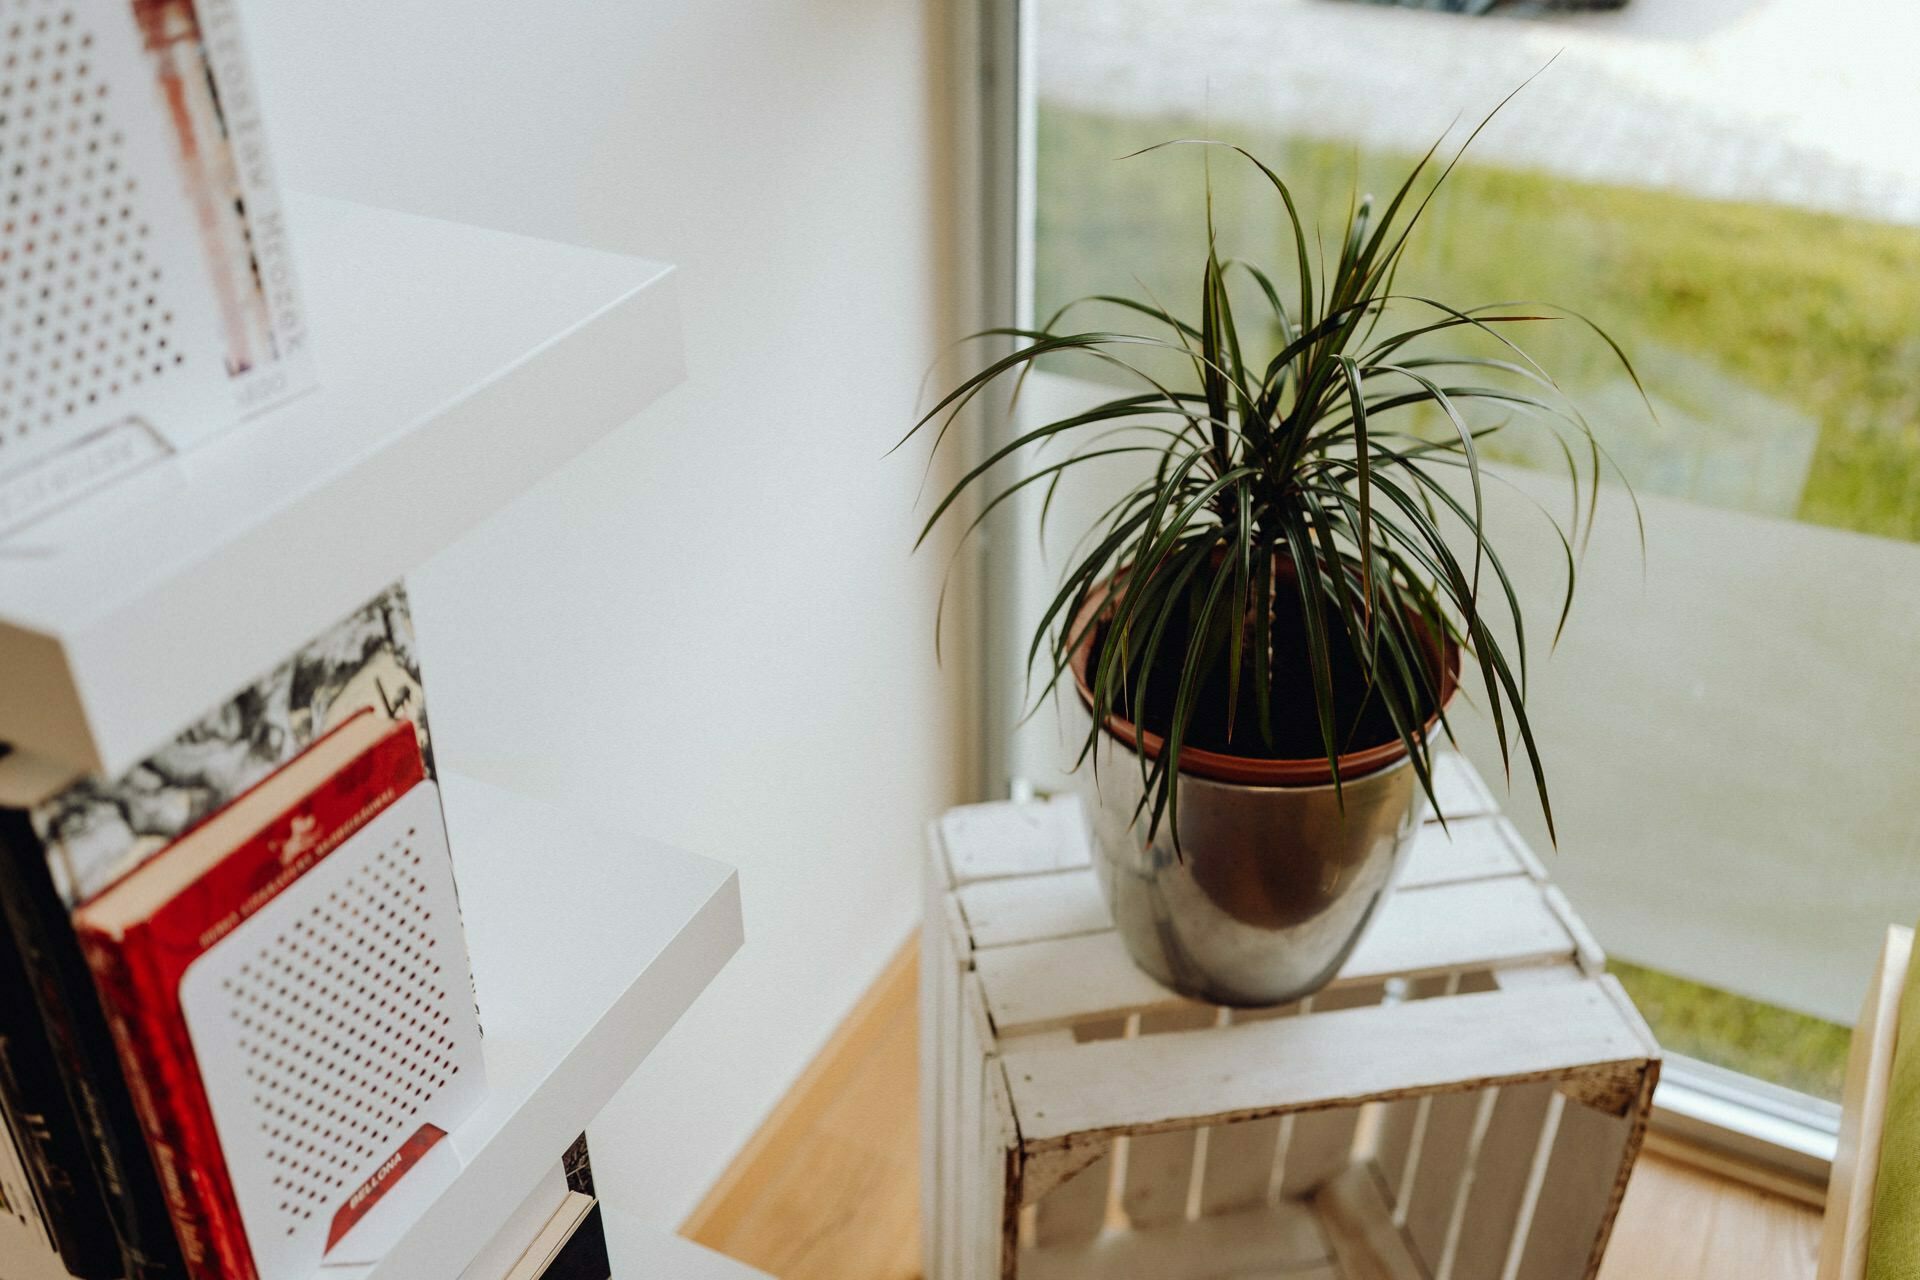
1486, 924
1061, 904
1455, 1124
1076, 1211
1325, 1060
1033, 907
1281, 1241
989, 1143
1319, 1144
1359, 1225
1459, 788
1480, 848
1511, 1161
1242, 1159
1160, 1166
944, 964
1004, 838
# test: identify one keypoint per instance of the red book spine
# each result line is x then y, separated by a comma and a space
139, 974
143, 1046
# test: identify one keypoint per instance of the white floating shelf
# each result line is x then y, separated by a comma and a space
587, 946
458, 366
640, 1252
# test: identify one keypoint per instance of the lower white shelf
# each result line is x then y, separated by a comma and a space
641, 1252
587, 946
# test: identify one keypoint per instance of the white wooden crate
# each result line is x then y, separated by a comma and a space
1464, 1102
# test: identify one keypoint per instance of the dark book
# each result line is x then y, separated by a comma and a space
571, 1246
584, 1256
84, 1058
61, 847
61, 1190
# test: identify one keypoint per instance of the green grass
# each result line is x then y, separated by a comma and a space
1784, 345
1742, 1035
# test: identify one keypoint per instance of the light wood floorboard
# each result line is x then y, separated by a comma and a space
828, 1189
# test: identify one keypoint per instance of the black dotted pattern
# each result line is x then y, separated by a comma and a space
346, 1020
83, 311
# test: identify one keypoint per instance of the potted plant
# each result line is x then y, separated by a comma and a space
1267, 630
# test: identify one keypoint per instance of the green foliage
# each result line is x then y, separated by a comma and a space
1279, 417
1818, 313
1788, 1048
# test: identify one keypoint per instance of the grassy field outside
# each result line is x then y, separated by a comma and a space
1742, 1035
1782, 346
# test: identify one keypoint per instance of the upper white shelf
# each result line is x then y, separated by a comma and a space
458, 366
587, 946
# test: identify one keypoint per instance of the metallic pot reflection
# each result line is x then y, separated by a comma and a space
1272, 885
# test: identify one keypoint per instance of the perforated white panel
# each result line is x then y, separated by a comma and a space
131, 295
104, 309
88, 313
331, 1028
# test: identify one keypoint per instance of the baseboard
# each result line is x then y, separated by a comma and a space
1788, 1186
770, 1149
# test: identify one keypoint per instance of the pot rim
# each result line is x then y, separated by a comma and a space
1258, 771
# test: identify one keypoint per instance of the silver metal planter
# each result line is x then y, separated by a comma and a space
1273, 885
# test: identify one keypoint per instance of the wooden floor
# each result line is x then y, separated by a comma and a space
829, 1187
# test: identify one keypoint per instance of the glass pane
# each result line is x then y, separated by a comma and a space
1726, 185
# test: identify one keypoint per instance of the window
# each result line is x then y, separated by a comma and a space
1727, 185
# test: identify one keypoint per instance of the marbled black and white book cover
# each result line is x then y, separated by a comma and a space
97, 830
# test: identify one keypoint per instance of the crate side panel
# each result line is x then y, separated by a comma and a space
1160, 1165
1577, 1195
1318, 1061
1319, 1144
1241, 1157
1448, 1151
1507, 1158
1075, 1212
1283, 1240
1490, 924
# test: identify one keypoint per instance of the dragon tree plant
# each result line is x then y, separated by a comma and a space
1316, 507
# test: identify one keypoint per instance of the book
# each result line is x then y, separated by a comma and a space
92, 831
91, 1097
289, 994
64, 838
148, 254
584, 1255
572, 1246
47, 1183
26, 1241
577, 1165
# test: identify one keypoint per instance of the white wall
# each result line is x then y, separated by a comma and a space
709, 627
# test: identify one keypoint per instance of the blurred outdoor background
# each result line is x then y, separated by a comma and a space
1732, 189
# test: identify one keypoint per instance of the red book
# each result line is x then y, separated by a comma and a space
142, 935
